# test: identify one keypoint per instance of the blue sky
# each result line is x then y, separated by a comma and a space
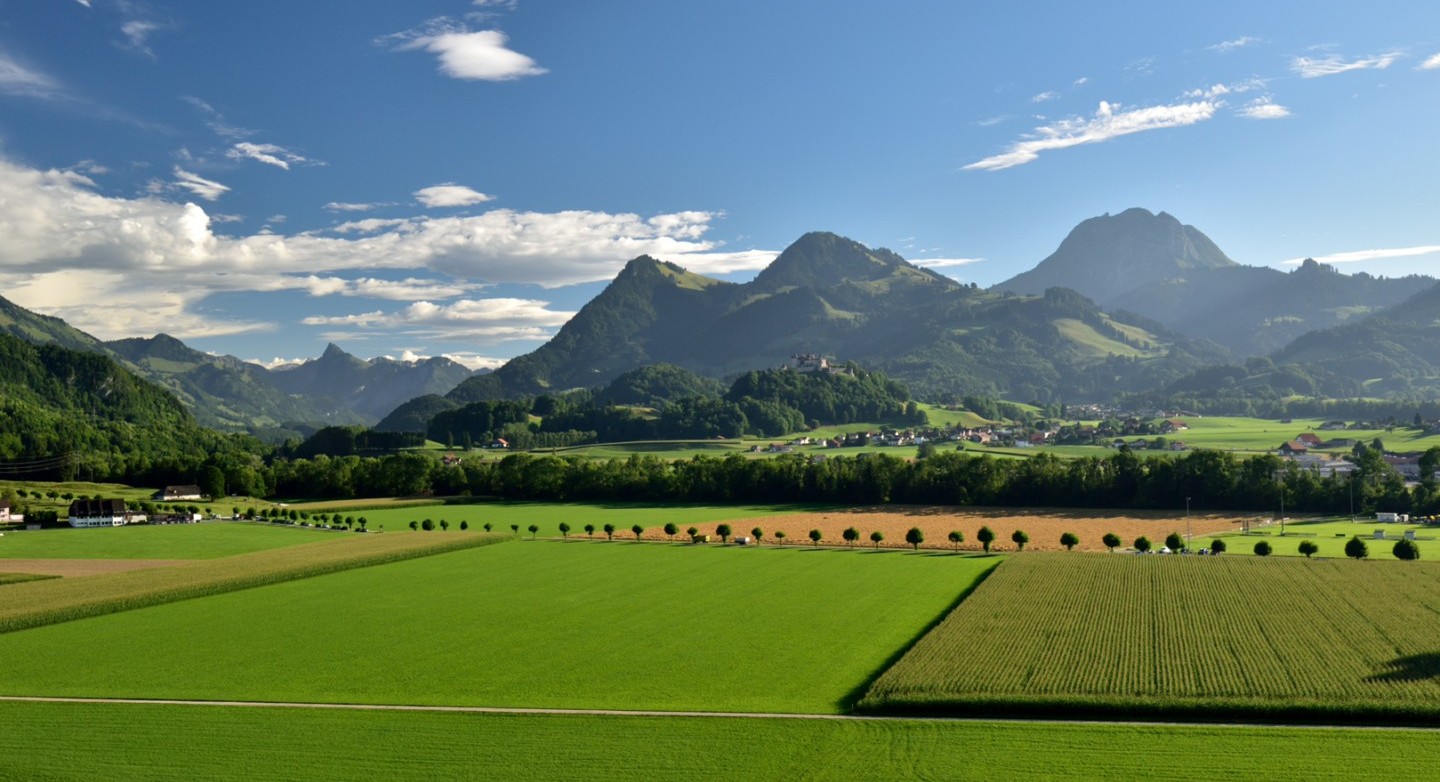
457, 178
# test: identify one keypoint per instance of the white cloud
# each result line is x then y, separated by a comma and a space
137, 32
1225, 47
1044, 96
371, 225
473, 361
497, 320
1109, 121
1370, 255
345, 206
269, 154
1431, 63
1264, 108
224, 218
85, 3
990, 122
944, 263
464, 54
153, 261
16, 79
276, 362
198, 185
1314, 67
450, 194
216, 121
1082, 81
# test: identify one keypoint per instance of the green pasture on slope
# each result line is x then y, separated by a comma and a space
549, 515
50, 741
579, 624
1158, 636
206, 540
1330, 537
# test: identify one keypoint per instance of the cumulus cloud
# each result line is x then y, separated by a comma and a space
1431, 63
1264, 108
1355, 256
198, 185
1315, 67
269, 154
1109, 121
152, 261
465, 54
16, 79
450, 194
1225, 47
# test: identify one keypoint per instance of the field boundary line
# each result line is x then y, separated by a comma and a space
751, 715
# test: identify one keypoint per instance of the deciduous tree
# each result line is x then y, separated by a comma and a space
1142, 544
814, 537
1405, 548
1308, 547
1263, 548
876, 537
637, 529
956, 538
723, 531
1070, 540
1020, 539
1111, 541
986, 536
1355, 548
915, 536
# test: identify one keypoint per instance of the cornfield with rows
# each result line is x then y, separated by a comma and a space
1107, 634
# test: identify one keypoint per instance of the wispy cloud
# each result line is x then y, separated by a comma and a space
1431, 63
216, 121
1048, 95
450, 194
1370, 255
1225, 47
944, 263
1263, 108
990, 122
349, 206
1082, 81
1315, 67
16, 79
269, 154
137, 34
198, 185
464, 53
1109, 121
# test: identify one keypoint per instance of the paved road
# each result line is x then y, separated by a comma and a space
655, 713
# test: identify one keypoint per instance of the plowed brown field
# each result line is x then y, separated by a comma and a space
1043, 526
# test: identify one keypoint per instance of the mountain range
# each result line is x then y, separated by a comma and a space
228, 394
1133, 302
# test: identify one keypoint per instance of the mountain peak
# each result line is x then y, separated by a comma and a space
1107, 256
822, 259
333, 351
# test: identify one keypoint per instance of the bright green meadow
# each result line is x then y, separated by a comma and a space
207, 540
202, 742
1330, 537
578, 624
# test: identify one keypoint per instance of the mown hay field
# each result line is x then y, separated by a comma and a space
1212, 636
162, 743
1043, 526
38, 603
578, 624
208, 540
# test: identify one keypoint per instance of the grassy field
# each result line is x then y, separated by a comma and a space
1220, 636
548, 516
215, 743
169, 541
1330, 536
554, 624
39, 603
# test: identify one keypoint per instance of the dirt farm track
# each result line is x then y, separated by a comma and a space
1043, 526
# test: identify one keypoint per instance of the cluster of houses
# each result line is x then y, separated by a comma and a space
8, 514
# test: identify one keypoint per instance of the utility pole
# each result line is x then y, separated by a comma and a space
1187, 522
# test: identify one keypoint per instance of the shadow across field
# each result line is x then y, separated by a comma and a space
1412, 668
